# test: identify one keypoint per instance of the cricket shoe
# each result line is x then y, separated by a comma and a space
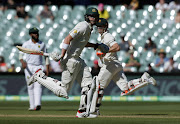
31, 109
81, 114
92, 116
124, 93
147, 78
132, 90
32, 79
37, 108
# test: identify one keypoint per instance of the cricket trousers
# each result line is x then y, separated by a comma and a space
35, 89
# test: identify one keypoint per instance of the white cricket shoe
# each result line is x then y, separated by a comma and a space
31, 109
92, 116
32, 79
147, 78
132, 90
81, 114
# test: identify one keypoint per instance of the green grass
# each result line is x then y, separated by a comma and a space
111, 112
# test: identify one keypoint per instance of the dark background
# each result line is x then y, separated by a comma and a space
85, 2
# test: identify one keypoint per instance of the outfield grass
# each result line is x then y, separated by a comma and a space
111, 112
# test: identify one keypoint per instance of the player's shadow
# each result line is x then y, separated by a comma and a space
150, 114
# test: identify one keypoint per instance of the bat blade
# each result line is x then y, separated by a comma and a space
30, 51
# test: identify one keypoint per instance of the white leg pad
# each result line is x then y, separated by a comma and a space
136, 88
134, 82
95, 96
89, 98
52, 85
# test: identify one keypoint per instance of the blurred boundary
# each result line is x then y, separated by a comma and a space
105, 98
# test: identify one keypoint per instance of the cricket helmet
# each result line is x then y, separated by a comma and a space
91, 12
102, 23
33, 30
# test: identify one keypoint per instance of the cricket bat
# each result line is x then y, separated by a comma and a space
30, 51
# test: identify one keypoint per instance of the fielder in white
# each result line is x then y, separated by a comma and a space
74, 68
111, 69
31, 64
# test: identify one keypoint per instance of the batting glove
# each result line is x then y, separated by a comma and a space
55, 56
103, 48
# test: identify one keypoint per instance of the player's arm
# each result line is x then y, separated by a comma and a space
23, 63
95, 46
77, 31
114, 48
47, 70
65, 44
102, 47
47, 65
113, 45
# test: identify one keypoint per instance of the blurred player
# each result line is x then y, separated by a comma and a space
111, 69
31, 64
74, 68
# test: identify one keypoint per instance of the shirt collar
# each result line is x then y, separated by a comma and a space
102, 36
33, 42
89, 24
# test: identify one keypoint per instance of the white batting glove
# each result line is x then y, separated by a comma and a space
55, 56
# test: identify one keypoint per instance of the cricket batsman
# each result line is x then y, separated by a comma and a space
74, 67
111, 69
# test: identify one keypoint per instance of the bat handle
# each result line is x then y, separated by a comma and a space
46, 54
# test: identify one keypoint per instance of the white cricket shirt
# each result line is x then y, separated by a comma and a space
34, 59
80, 34
109, 40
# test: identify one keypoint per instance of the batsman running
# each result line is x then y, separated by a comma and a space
74, 68
111, 69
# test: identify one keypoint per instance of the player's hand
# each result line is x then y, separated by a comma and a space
24, 65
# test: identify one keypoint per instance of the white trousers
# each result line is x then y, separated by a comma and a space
35, 89
112, 70
76, 69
